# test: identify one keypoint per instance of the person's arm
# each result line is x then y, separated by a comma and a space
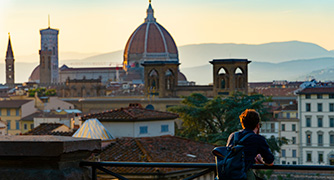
266, 155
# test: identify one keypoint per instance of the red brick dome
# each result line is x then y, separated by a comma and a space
150, 41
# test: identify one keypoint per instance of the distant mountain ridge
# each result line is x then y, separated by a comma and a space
270, 61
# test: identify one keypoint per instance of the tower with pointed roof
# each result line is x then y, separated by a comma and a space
49, 56
10, 80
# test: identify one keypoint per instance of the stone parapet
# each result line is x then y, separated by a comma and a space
45, 157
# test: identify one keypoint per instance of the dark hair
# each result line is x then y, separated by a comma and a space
249, 118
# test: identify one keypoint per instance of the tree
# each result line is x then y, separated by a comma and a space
213, 120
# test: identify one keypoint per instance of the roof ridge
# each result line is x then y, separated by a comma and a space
129, 113
141, 147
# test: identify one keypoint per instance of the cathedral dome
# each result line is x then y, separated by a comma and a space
150, 41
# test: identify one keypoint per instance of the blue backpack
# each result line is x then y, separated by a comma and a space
230, 161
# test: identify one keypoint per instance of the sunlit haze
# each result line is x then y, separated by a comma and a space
105, 25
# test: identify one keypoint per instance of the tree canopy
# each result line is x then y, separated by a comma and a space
213, 120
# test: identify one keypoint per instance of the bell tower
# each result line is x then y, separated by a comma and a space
10, 80
161, 78
229, 76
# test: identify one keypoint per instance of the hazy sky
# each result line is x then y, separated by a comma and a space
105, 25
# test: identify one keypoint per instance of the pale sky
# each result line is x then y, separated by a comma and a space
100, 26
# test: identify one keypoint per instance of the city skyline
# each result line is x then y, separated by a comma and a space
105, 26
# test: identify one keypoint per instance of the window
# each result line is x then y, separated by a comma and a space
17, 123
288, 115
8, 124
308, 156
308, 107
308, 139
293, 140
331, 139
25, 126
331, 107
17, 112
143, 130
283, 152
319, 107
164, 128
331, 96
319, 96
331, 122
272, 127
320, 157
31, 126
308, 122
307, 96
294, 162
293, 127
294, 153
320, 140
283, 127
8, 112
283, 162
319, 121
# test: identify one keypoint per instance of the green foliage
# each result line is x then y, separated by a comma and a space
276, 143
213, 120
42, 92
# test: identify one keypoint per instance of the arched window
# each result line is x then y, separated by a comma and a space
153, 80
169, 78
238, 71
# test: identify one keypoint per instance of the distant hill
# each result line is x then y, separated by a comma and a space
270, 61
201, 54
263, 71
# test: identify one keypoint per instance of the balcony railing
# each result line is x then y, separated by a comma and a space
206, 167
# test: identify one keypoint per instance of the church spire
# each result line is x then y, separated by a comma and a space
150, 13
9, 53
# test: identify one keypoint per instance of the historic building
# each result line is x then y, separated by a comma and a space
49, 56
149, 42
136, 121
316, 114
10, 75
287, 116
82, 88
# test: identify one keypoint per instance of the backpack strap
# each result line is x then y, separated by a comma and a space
244, 138
236, 138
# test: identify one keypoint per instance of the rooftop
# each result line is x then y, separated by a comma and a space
135, 112
49, 129
156, 149
13, 103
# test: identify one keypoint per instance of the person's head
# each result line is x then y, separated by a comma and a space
249, 119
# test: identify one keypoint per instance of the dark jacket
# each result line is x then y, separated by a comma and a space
254, 145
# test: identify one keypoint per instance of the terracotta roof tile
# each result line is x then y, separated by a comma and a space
276, 92
156, 149
131, 113
46, 129
290, 107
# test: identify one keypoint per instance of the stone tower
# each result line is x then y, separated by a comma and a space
49, 73
229, 76
161, 78
10, 80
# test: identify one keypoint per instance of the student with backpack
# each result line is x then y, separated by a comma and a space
243, 149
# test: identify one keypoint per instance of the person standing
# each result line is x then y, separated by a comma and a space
256, 148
